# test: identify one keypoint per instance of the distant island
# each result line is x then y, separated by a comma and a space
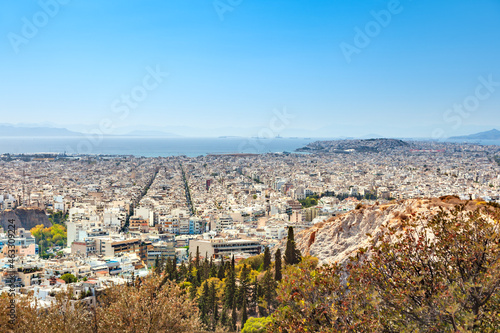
488, 135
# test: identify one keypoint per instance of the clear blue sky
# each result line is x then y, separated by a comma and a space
263, 55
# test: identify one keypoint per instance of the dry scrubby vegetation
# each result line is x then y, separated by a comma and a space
438, 274
142, 307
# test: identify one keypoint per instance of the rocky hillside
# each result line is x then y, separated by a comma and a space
26, 218
341, 236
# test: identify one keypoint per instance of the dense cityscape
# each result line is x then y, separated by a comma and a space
119, 214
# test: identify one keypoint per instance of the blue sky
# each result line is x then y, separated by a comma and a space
228, 71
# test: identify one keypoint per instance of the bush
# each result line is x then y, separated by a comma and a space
256, 325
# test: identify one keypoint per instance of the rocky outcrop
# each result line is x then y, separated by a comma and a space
340, 237
26, 218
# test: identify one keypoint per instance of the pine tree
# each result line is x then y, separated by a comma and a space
277, 265
267, 259
292, 255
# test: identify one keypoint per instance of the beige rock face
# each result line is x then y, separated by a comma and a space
340, 237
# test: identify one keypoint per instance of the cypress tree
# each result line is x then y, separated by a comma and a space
162, 264
204, 304
244, 289
244, 314
175, 275
157, 265
292, 255
234, 317
197, 259
223, 317
213, 269
189, 275
183, 271
269, 290
230, 289
255, 295
277, 265
221, 274
214, 305
267, 259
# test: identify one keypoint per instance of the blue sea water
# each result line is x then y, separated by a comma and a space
478, 142
149, 147
153, 147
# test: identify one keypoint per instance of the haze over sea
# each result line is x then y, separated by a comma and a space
153, 147
150, 147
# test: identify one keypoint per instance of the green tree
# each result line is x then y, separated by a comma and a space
277, 265
204, 304
268, 286
292, 254
267, 259
69, 278
244, 313
234, 317
230, 290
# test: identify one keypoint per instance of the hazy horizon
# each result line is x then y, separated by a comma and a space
343, 69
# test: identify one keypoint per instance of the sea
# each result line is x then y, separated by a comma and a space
154, 147
150, 147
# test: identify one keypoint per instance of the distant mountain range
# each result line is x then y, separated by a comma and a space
488, 135
26, 131
9, 130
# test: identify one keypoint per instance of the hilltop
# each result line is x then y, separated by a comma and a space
346, 146
341, 236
